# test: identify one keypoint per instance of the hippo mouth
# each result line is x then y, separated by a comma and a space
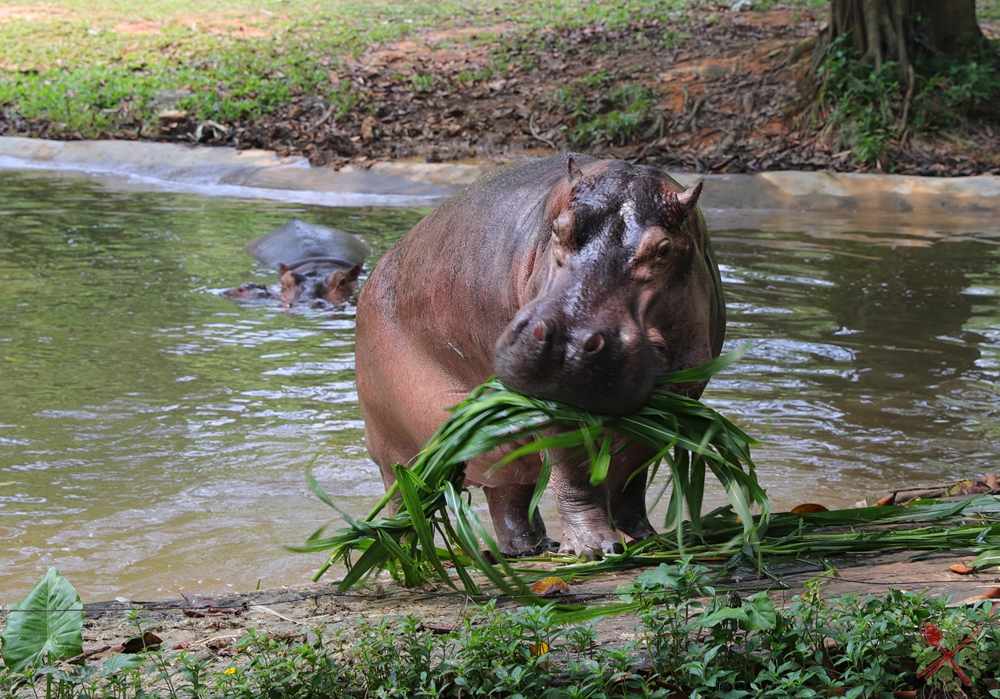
597, 369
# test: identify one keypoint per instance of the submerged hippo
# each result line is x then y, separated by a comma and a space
571, 279
315, 263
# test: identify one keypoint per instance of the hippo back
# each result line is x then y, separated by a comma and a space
298, 243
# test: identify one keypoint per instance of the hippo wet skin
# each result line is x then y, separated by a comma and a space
570, 278
315, 264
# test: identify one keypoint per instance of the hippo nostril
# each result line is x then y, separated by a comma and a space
594, 343
540, 332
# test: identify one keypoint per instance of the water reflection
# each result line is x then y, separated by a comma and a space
153, 436
866, 367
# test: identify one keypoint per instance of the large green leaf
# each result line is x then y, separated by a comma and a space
44, 627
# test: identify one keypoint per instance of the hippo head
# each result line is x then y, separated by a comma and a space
624, 289
312, 285
341, 284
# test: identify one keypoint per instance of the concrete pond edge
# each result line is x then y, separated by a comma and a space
823, 202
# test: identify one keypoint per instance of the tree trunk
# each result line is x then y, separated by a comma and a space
887, 30
949, 27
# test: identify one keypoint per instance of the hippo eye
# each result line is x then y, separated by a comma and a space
663, 249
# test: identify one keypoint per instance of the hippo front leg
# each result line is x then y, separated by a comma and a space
627, 493
584, 512
517, 534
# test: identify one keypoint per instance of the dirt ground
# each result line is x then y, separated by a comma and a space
729, 87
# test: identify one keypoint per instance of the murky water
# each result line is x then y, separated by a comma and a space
153, 436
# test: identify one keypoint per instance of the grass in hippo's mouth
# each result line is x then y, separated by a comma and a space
684, 434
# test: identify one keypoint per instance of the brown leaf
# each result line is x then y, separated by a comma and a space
961, 569
197, 601
991, 481
809, 508
368, 129
992, 593
889, 499
550, 587
137, 644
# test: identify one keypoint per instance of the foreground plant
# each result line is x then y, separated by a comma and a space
690, 437
867, 109
689, 641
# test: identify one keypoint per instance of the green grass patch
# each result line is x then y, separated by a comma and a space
79, 71
617, 115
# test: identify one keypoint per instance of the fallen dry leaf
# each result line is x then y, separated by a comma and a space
809, 508
992, 593
889, 499
991, 481
137, 644
961, 569
550, 587
197, 601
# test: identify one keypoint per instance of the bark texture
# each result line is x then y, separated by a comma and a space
888, 30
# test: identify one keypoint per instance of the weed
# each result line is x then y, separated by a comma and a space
862, 102
421, 83
615, 116
674, 39
467, 77
867, 108
590, 82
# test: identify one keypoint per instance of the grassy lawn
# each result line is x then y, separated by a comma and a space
95, 67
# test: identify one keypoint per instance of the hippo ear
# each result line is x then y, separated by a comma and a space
282, 268
688, 199
353, 273
573, 171
289, 285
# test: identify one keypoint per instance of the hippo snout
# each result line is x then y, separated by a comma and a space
598, 367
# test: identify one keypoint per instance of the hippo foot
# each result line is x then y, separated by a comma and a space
591, 544
638, 532
523, 548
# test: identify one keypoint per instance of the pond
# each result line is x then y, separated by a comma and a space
154, 435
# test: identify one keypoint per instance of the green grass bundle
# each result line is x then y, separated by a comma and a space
683, 433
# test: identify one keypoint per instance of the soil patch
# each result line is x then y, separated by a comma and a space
33, 13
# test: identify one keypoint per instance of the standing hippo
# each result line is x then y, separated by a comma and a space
315, 264
571, 279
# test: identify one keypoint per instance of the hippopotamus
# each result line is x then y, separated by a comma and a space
316, 264
570, 278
